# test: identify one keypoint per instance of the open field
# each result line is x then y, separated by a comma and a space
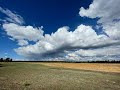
103, 67
38, 76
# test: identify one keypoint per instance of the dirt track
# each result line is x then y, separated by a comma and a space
88, 66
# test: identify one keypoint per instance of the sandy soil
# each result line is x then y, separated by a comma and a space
88, 66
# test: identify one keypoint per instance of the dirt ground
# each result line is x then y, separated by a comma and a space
39, 76
107, 67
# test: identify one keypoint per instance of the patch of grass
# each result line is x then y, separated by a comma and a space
26, 84
31, 76
0, 65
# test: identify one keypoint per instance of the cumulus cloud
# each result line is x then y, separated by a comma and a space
54, 45
22, 42
105, 53
80, 44
106, 10
23, 33
109, 51
60, 44
12, 17
108, 13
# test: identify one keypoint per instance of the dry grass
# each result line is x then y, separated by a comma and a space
36, 76
88, 66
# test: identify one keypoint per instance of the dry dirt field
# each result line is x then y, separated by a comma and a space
59, 76
107, 67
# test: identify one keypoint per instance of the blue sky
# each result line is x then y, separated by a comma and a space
84, 21
50, 14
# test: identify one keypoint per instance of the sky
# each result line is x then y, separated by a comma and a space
77, 30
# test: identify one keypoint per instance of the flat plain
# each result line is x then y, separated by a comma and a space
102, 67
59, 76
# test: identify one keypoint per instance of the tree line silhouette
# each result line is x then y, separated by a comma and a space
67, 61
6, 60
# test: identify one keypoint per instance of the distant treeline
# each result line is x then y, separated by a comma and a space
67, 61
5, 60
107, 61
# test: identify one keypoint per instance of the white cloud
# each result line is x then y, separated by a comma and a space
81, 44
23, 32
84, 37
105, 53
108, 51
108, 13
22, 42
113, 30
12, 17
106, 10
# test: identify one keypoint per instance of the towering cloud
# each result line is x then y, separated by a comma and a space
63, 42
